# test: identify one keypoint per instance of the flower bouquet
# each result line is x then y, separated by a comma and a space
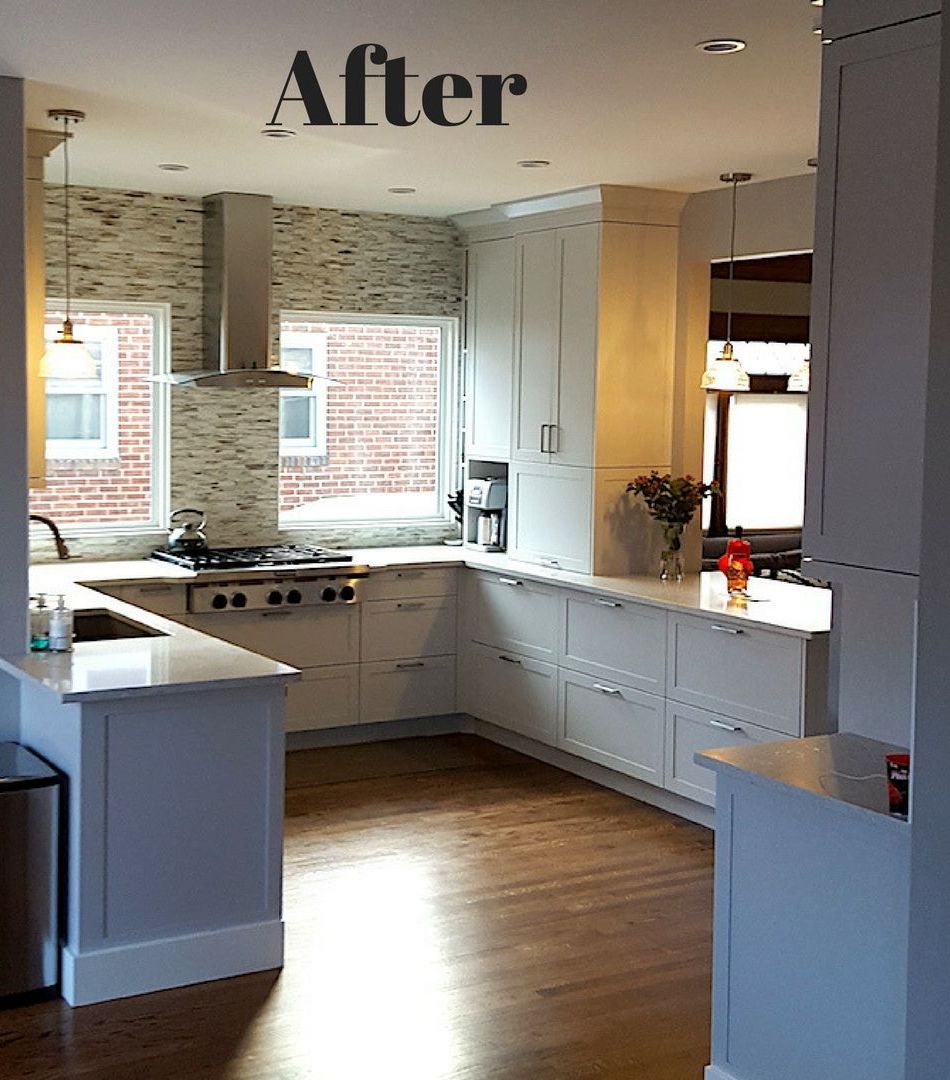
672, 501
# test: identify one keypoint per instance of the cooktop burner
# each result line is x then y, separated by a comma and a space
265, 556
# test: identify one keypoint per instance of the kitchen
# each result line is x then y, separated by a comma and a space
565, 649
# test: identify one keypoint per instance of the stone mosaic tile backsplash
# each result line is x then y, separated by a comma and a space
130, 245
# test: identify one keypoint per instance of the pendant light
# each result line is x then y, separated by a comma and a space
800, 379
67, 357
725, 373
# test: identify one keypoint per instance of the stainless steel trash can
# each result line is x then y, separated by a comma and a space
29, 874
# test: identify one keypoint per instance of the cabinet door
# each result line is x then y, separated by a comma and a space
690, 731
397, 629
572, 439
536, 360
405, 689
611, 724
510, 612
511, 691
615, 639
871, 297
489, 359
550, 509
325, 697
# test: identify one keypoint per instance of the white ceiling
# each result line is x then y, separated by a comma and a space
616, 94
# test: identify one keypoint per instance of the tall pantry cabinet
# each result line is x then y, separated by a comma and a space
569, 346
870, 341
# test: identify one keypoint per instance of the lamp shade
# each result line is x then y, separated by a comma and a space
68, 358
725, 373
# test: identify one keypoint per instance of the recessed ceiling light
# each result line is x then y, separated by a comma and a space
401, 190
721, 45
278, 132
172, 166
533, 163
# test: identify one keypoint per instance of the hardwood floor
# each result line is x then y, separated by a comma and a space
455, 911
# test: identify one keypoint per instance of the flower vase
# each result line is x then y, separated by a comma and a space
671, 559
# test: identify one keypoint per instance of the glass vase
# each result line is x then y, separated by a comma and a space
671, 558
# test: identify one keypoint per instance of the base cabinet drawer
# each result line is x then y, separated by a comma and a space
614, 638
411, 581
689, 731
508, 612
325, 697
160, 598
512, 691
396, 629
404, 689
612, 724
744, 671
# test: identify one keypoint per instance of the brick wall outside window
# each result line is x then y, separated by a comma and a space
119, 489
382, 421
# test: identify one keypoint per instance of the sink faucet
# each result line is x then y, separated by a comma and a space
62, 551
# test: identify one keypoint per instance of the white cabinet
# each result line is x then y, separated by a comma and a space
411, 581
162, 598
550, 510
302, 637
612, 724
405, 689
614, 639
489, 348
741, 671
871, 298
325, 697
511, 691
511, 613
690, 731
415, 626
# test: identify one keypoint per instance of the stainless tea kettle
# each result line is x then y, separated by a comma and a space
187, 531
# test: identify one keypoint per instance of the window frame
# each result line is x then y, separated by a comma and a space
160, 428
316, 445
448, 429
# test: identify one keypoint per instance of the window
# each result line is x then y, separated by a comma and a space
765, 457
380, 444
106, 439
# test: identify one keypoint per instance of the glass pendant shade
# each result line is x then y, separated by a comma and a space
725, 373
67, 358
800, 379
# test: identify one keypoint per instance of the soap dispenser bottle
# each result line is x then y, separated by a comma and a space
61, 627
39, 625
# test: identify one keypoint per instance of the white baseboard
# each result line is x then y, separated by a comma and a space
450, 724
143, 967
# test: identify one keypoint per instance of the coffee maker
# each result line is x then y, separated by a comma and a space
487, 505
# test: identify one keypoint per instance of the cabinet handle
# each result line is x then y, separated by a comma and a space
410, 573
725, 727
554, 438
411, 664
410, 604
608, 690
544, 428
276, 614
607, 603
153, 588
734, 630
509, 659
509, 581
551, 562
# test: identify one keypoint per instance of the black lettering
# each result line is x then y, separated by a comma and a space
435, 94
311, 95
355, 77
396, 93
492, 88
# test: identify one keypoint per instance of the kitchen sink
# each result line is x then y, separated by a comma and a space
99, 624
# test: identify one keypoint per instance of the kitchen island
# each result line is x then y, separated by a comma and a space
172, 744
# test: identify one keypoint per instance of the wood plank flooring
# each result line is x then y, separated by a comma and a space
455, 911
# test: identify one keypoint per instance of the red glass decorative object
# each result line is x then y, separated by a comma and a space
736, 565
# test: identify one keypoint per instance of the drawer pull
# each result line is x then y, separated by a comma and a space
509, 581
551, 562
725, 727
734, 630
153, 588
411, 604
410, 573
608, 690
607, 603
411, 664
509, 659
276, 614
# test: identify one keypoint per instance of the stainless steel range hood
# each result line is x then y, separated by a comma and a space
237, 331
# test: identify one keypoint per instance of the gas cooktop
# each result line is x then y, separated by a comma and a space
273, 556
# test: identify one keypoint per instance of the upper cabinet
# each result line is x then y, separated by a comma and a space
489, 348
578, 310
871, 297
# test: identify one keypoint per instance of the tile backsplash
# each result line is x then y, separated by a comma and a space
130, 245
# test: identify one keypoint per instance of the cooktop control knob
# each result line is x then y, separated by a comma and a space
328, 595
275, 597
239, 600
294, 596
219, 601
347, 592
